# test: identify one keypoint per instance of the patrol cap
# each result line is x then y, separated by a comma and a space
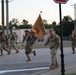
26, 31
51, 30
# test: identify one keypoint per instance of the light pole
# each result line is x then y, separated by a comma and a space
75, 15
2, 5
7, 24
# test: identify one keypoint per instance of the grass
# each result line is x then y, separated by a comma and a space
71, 74
42, 45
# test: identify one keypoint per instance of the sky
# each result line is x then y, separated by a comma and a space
30, 9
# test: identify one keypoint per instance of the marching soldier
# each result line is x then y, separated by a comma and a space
28, 46
13, 41
3, 42
34, 38
54, 42
72, 39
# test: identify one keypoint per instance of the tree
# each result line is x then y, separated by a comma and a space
14, 21
68, 25
67, 19
10, 23
54, 23
24, 22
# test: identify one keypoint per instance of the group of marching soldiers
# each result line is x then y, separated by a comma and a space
7, 42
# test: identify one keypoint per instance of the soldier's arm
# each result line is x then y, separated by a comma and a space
70, 38
24, 37
58, 41
46, 43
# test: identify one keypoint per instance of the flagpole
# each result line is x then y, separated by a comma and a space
40, 12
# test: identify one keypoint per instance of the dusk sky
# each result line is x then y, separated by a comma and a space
30, 9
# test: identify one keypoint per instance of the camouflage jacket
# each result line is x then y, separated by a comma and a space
15, 35
53, 41
11, 36
28, 39
24, 38
34, 38
3, 39
72, 38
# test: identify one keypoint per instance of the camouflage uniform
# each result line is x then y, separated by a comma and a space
34, 38
53, 41
13, 41
28, 46
72, 38
3, 42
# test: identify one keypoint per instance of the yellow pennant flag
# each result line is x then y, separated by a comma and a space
39, 28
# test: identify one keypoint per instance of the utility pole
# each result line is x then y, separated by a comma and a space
7, 24
75, 15
2, 5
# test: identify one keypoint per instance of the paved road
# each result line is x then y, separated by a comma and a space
15, 64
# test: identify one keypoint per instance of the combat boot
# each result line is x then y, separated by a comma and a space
8, 53
73, 52
28, 60
34, 53
1, 53
52, 66
16, 52
56, 65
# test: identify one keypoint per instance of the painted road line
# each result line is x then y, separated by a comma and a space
18, 70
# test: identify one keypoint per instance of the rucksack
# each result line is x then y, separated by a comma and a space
15, 36
33, 38
3, 38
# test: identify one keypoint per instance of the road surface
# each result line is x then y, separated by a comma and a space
15, 64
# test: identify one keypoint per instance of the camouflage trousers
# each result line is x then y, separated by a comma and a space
73, 46
12, 44
53, 55
3, 47
28, 48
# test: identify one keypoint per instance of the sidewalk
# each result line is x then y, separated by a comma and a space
69, 68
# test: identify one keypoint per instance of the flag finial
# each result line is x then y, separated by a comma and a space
40, 12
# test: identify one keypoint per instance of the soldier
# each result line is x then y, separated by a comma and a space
13, 41
72, 39
3, 42
53, 41
34, 38
28, 47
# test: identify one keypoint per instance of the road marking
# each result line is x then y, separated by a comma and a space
18, 70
